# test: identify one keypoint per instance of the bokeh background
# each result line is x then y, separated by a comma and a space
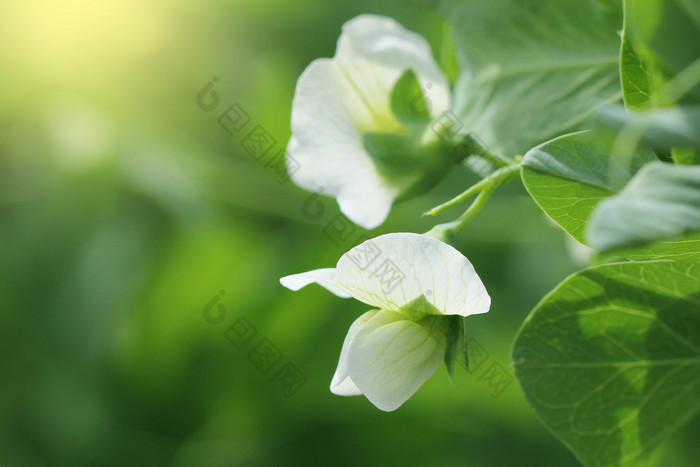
125, 209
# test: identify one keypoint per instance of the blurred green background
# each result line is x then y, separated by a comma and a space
125, 209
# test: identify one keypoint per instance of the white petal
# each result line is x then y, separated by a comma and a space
323, 277
345, 387
374, 51
320, 117
366, 204
412, 273
328, 150
341, 384
389, 357
305, 179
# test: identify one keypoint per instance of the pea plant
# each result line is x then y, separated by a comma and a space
594, 106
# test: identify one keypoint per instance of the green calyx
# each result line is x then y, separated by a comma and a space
447, 329
401, 154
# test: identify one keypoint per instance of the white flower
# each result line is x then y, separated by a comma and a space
339, 100
414, 281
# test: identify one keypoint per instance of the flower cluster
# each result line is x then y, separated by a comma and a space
361, 132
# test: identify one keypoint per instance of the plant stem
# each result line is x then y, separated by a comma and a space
496, 179
496, 159
475, 207
448, 231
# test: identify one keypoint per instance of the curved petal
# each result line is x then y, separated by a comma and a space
341, 384
365, 204
374, 51
389, 357
413, 274
323, 277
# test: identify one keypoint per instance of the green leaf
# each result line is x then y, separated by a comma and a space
686, 249
658, 66
525, 76
568, 176
665, 128
639, 78
408, 102
666, 36
661, 202
610, 359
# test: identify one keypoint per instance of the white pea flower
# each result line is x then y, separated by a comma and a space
418, 285
361, 121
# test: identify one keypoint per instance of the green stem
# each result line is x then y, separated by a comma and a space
496, 179
448, 231
498, 160
475, 207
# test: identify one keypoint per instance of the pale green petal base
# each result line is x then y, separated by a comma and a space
387, 357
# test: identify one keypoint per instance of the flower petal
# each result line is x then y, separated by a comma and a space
328, 150
413, 274
341, 384
374, 51
389, 357
323, 277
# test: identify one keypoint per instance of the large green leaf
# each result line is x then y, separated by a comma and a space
610, 359
568, 176
531, 69
661, 202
